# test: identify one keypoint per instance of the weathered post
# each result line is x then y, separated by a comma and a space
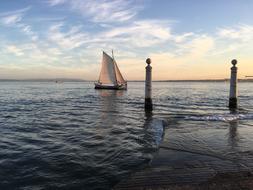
233, 86
148, 86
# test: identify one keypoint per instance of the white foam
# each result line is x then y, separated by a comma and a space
156, 128
221, 117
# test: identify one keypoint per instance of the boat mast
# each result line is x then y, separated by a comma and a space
112, 55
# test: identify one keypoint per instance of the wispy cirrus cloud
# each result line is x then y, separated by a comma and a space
34, 53
181, 38
11, 19
197, 47
141, 33
241, 32
234, 39
15, 12
15, 19
103, 11
71, 39
136, 35
56, 2
27, 29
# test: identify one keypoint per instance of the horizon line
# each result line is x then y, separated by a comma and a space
85, 80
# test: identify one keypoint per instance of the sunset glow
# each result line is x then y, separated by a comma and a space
184, 39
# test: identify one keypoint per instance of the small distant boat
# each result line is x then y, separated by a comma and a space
110, 76
58, 81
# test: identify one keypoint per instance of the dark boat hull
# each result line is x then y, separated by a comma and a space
110, 87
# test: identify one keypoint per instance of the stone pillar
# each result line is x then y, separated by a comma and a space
233, 86
148, 86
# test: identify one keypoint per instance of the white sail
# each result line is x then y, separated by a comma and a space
107, 74
119, 76
110, 76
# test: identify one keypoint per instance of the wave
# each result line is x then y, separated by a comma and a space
220, 117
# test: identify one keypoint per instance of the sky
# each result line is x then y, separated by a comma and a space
185, 39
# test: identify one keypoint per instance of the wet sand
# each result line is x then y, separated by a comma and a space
189, 171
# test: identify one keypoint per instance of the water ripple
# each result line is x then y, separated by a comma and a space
70, 136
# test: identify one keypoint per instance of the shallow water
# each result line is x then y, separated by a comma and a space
200, 123
69, 135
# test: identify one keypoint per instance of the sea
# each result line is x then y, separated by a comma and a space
70, 136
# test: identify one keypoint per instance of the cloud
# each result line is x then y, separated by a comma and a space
196, 49
137, 34
11, 19
15, 12
241, 32
133, 38
14, 50
47, 19
103, 11
71, 39
234, 39
27, 29
199, 46
15, 19
56, 2
183, 37
155, 28
33, 53
55, 51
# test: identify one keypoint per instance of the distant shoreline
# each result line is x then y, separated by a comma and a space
204, 80
81, 80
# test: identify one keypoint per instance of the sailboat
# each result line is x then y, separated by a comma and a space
110, 76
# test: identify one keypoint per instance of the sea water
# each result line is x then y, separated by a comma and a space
70, 136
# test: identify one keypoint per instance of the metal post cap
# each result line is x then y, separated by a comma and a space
148, 61
234, 62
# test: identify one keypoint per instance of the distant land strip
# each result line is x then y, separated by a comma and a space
44, 80
59, 80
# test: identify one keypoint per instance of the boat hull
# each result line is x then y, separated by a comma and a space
110, 87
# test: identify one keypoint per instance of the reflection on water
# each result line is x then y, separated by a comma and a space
153, 129
233, 136
148, 116
110, 93
109, 105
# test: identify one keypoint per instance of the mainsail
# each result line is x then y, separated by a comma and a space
107, 74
